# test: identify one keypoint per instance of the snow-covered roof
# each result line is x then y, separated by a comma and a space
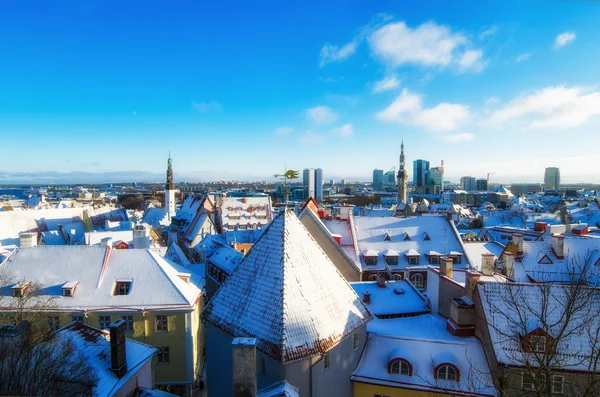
154, 280
95, 238
279, 389
94, 345
397, 298
342, 228
474, 250
245, 212
53, 237
156, 217
510, 309
407, 236
14, 222
425, 343
541, 264
288, 295
175, 254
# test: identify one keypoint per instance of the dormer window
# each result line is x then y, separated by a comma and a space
537, 343
184, 277
19, 289
122, 287
406, 237
400, 366
391, 260
68, 289
387, 237
370, 258
447, 371
545, 260
426, 237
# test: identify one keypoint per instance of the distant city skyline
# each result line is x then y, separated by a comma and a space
96, 92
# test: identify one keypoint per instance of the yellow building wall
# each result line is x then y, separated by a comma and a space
368, 390
144, 330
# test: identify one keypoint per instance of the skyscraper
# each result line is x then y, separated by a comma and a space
402, 177
377, 180
468, 183
552, 178
312, 181
420, 172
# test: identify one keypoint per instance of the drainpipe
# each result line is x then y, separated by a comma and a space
312, 366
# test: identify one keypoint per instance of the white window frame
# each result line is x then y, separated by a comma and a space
77, 319
538, 343
103, 320
162, 350
161, 323
562, 384
444, 373
128, 323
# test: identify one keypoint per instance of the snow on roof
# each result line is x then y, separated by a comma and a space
175, 254
14, 222
156, 217
397, 298
425, 343
53, 237
342, 228
279, 389
474, 250
245, 212
508, 323
541, 264
154, 280
94, 345
226, 258
95, 238
288, 295
371, 232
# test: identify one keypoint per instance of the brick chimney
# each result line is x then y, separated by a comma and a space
471, 279
558, 246
27, 239
380, 280
118, 356
367, 297
487, 264
337, 238
244, 367
446, 266
517, 239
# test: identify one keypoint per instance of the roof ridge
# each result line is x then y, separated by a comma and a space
153, 255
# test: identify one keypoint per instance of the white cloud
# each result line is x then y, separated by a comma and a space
284, 131
472, 60
344, 131
408, 109
322, 115
461, 137
488, 32
208, 106
388, 83
492, 101
559, 107
563, 39
429, 44
333, 53
310, 138
523, 57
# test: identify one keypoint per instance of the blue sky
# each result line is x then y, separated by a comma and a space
237, 89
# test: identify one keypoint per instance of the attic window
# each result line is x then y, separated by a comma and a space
387, 237
537, 343
545, 260
19, 289
406, 237
426, 237
68, 289
122, 287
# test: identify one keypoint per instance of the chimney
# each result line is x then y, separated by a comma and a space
27, 239
446, 266
380, 280
141, 236
540, 226
106, 242
558, 246
244, 367
471, 279
118, 356
345, 211
517, 239
509, 264
106, 224
366, 297
487, 264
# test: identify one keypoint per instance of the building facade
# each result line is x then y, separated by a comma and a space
552, 178
312, 181
377, 180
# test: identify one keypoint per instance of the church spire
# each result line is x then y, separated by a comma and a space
402, 177
169, 185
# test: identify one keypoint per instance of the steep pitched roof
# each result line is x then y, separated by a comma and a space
288, 295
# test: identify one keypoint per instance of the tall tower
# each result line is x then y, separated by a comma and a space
170, 190
402, 177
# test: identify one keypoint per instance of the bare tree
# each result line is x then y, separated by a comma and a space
546, 335
33, 361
